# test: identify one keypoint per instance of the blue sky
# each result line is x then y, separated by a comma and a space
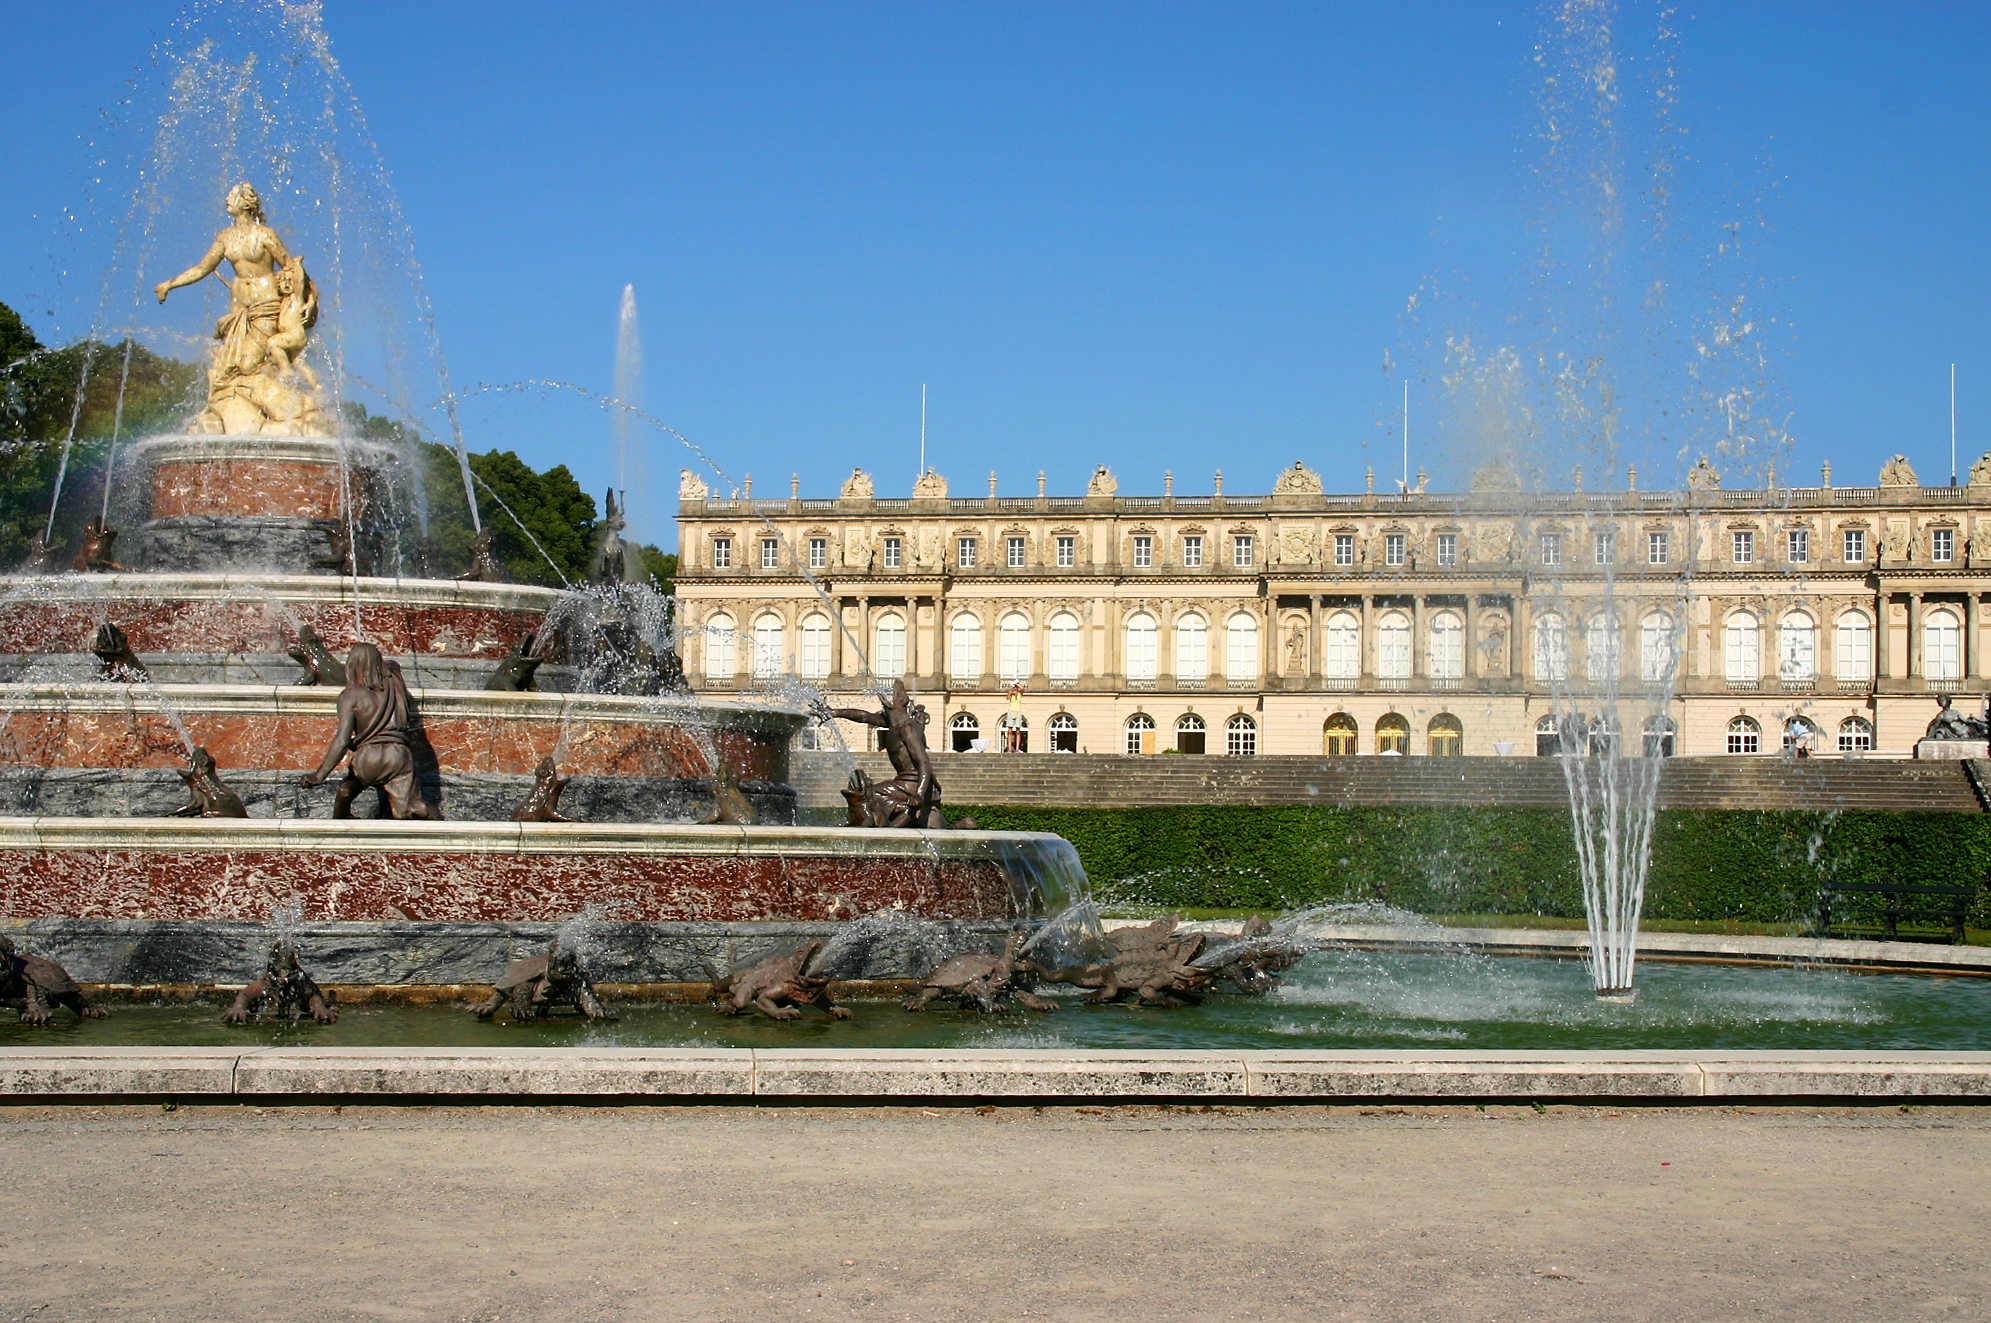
1152, 236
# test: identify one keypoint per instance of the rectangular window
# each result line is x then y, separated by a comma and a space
722, 553
819, 553
1344, 548
1016, 553
895, 553
1606, 548
1393, 549
1942, 544
1067, 552
1657, 548
1742, 547
1241, 551
1551, 548
1448, 550
1192, 553
965, 553
1855, 546
770, 554
1798, 545
1144, 552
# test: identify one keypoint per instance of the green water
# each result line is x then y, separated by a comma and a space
1335, 1000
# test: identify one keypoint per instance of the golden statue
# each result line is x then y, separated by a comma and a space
258, 381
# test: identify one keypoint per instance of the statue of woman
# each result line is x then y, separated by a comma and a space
243, 394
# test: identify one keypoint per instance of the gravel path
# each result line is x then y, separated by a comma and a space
1138, 1213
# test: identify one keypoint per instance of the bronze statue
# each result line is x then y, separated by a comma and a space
35, 987
778, 987
320, 666
1253, 960
485, 567
981, 979
542, 802
207, 797
728, 803
350, 553
536, 984
95, 557
515, 673
911, 798
285, 991
41, 558
1153, 963
373, 727
613, 551
115, 659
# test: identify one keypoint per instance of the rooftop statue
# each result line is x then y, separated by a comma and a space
1980, 472
858, 486
257, 380
1103, 483
691, 487
1897, 472
1702, 477
930, 486
1298, 480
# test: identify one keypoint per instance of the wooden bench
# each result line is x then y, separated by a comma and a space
1944, 907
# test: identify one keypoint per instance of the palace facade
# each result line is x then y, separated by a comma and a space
1486, 622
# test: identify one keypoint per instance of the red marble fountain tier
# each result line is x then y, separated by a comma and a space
262, 476
278, 728
249, 614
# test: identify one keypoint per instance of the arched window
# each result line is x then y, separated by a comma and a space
1340, 736
1064, 733
963, 731
1801, 737
888, 648
1141, 646
1942, 645
1448, 647
1659, 737
1343, 659
1189, 733
1140, 733
1551, 648
1393, 646
1600, 648
1016, 732
1856, 735
1852, 649
1656, 649
1241, 736
1447, 736
720, 641
1797, 649
964, 648
1601, 737
1241, 653
1392, 734
1013, 646
1744, 649
770, 652
1192, 649
1061, 660
1548, 737
813, 658
1745, 736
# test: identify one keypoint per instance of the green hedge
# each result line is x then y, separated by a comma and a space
1760, 867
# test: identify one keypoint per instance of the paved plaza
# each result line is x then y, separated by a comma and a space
1142, 1213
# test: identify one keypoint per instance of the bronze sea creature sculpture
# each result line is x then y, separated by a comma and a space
978, 978
533, 986
542, 802
95, 555
283, 992
614, 552
1253, 960
207, 797
778, 987
485, 567
729, 802
35, 987
515, 673
115, 659
1153, 964
320, 666
374, 723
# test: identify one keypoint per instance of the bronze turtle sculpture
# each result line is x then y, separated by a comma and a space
1153, 963
778, 987
35, 987
980, 978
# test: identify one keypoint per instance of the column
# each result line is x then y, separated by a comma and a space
1420, 659
1975, 605
1368, 644
1883, 668
1316, 642
1472, 636
1915, 665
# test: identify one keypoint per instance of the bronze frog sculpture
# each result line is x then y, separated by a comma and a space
514, 674
35, 987
115, 659
981, 979
729, 802
320, 666
207, 797
542, 802
778, 987
284, 992
536, 984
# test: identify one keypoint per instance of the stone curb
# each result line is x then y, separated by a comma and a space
884, 1075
